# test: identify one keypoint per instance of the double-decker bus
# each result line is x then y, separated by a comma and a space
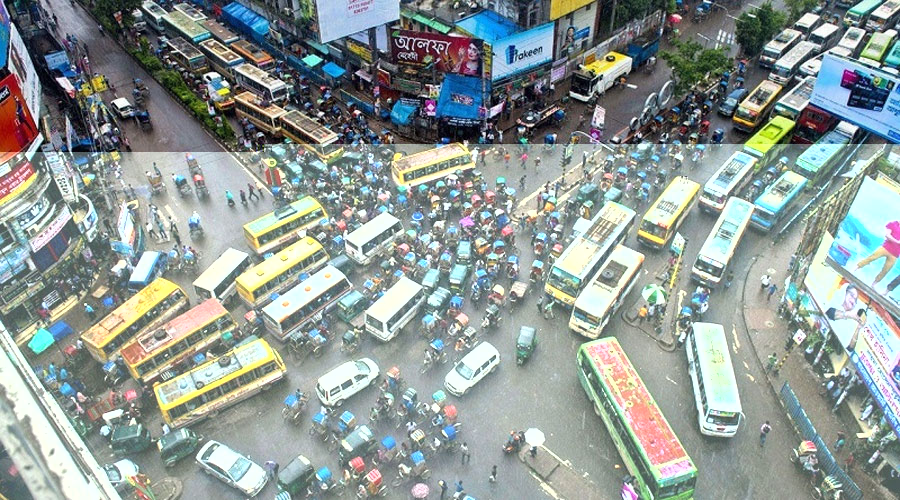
259, 82
256, 285
647, 444
152, 306
773, 204
778, 47
220, 32
665, 216
771, 140
431, 165
858, 15
314, 137
732, 177
786, 68
306, 302
716, 394
752, 112
285, 225
812, 124
221, 58
885, 16
187, 55
818, 161
189, 10
253, 54
178, 24
572, 270
164, 352
877, 48
244, 371
718, 249
153, 14
606, 291
794, 102
265, 115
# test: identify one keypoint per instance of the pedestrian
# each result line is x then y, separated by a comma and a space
150, 230
466, 457
524, 160
177, 238
537, 163
770, 362
493, 476
642, 314
522, 182
763, 432
728, 279
772, 289
540, 304
459, 486
548, 310
90, 312
764, 282
243, 196
533, 451
841, 441
251, 193
162, 230
271, 468
443, 485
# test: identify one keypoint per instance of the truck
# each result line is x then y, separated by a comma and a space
219, 91
641, 49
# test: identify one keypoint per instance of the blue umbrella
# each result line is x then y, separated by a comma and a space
642, 175
654, 158
510, 191
645, 186
417, 216
382, 209
107, 301
623, 170
401, 199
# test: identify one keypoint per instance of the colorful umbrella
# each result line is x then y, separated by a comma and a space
419, 491
466, 222
654, 294
675, 18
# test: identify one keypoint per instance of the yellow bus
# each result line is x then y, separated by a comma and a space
219, 383
164, 352
752, 112
253, 54
431, 165
155, 304
606, 292
286, 224
317, 139
261, 113
275, 274
668, 212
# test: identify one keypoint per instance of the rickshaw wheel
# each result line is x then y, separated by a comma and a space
397, 481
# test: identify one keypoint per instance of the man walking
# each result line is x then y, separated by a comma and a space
771, 291
763, 432
466, 456
150, 230
271, 468
90, 312
770, 362
251, 193
493, 476
443, 486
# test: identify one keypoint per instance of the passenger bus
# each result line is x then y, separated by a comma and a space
218, 280
716, 395
306, 302
825, 37
604, 294
220, 33
390, 313
164, 352
153, 15
794, 102
263, 114
752, 112
254, 55
812, 124
884, 17
221, 58
858, 15
773, 204
892, 60
159, 302
259, 82
187, 55
647, 444
853, 40
786, 68
285, 225
719, 248
665, 216
778, 47
244, 371
732, 177
431, 165
189, 10
257, 285
877, 47
373, 238
817, 162
314, 137
767, 144
572, 270
178, 24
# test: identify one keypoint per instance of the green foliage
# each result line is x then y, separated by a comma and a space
671, 6
754, 29
629, 10
105, 11
797, 8
691, 63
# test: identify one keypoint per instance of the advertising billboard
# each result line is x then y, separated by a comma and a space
522, 51
21, 65
340, 18
4, 34
450, 54
559, 8
15, 180
859, 94
17, 127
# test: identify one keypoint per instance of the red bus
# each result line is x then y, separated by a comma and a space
812, 124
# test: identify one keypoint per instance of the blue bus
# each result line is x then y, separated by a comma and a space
150, 266
773, 204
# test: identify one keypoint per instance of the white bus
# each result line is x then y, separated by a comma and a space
217, 281
853, 40
884, 17
153, 16
731, 178
723, 240
259, 82
715, 387
399, 304
778, 47
791, 105
190, 11
825, 36
787, 67
221, 58
606, 291
372, 238
306, 302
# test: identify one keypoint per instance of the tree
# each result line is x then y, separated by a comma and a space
691, 63
754, 29
798, 7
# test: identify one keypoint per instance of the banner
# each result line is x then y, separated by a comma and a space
449, 54
340, 18
598, 121
17, 127
15, 181
522, 51
4, 34
21, 64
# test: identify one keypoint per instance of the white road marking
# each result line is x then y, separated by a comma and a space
670, 380
736, 344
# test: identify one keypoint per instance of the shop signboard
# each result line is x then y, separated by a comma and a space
60, 172
21, 64
407, 86
53, 228
12, 263
559, 8
359, 50
340, 18
449, 54
14, 180
522, 51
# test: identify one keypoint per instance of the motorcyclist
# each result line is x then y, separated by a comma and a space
194, 221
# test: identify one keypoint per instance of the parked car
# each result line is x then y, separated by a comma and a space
232, 468
119, 472
345, 380
474, 366
123, 107
728, 107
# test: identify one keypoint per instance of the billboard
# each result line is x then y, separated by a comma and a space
15, 180
559, 8
4, 34
859, 94
450, 54
522, 51
340, 18
17, 127
21, 64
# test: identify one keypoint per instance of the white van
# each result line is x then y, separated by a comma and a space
807, 24
853, 40
467, 372
346, 380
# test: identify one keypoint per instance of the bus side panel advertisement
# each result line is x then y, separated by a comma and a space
340, 18
859, 94
864, 328
522, 51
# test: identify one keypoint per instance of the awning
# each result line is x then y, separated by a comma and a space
364, 75
245, 20
488, 25
318, 46
402, 113
460, 99
312, 60
41, 340
427, 21
333, 70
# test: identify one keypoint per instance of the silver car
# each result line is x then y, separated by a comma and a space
232, 468
119, 472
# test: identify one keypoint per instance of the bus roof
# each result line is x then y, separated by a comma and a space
715, 365
674, 196
370, 229
319, 133
771, 134
242, 356
204, 313
148, 296
635, 404
865, 6
153, 8
608, 278
892, 60
800, 51
290, 301
251, 49
786, 36
302, 205
878, 45
886, 9
818, 155
798, 98
429, 156
733, 169
212, 275
761, 95
186, 48
221, 51
261, 75
395, 297
782, 190
737, 213
295, 252
602, 65
189, 11
581, 253
186, 25
220, 32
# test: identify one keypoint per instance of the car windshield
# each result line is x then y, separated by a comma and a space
362, 367
112, 472
239, 468
464, 371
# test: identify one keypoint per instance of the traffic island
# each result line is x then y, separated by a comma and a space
167, 488
558, 478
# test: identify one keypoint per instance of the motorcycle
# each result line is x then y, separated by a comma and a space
514, 442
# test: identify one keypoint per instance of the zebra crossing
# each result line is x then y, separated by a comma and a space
724, 39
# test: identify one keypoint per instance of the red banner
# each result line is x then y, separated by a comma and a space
449, 54
15, 180
17, 128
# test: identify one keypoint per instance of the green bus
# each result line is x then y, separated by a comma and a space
649, 447
771, 140
859, 13
892, 60
878, 46
712, 375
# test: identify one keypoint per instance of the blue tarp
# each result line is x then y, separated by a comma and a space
488, 25
333, 70
402, 113
460, 97
60, 330
246, 21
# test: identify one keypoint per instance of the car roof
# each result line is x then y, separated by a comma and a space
737, 92
337, 373
482, 350
121, 101
220, 454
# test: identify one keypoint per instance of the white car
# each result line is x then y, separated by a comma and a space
345, 380
473, 367
119, 472
123, 107
232, 468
